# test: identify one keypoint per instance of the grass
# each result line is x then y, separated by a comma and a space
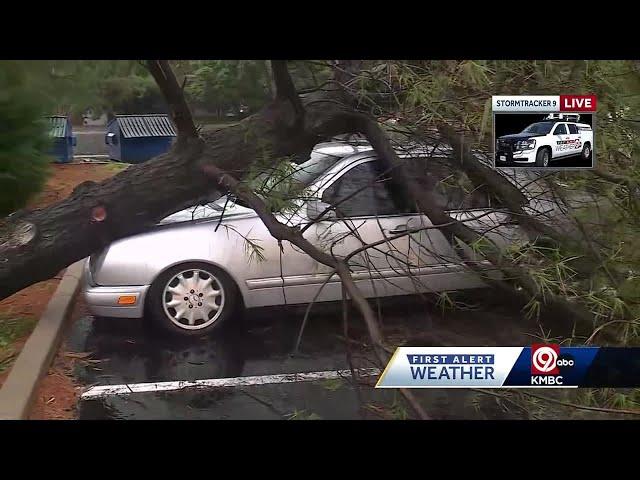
116, 166
303, 415
12, 329
333, 384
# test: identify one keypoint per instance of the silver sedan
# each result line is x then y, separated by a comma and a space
191, 272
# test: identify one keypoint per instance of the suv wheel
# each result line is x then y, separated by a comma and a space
586, 151
542, 158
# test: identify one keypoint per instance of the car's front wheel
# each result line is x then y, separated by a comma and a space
586, 151
542, 157
192, 299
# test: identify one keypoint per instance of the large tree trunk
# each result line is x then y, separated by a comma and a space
36, 245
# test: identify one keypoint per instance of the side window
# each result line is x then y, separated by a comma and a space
560, 130
572, 128
372, 197
451, 186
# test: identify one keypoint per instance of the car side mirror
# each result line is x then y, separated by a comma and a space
316, 207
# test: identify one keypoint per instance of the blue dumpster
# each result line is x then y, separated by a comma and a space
137, 138
63, 141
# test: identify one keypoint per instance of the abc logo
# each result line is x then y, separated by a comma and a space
565, 361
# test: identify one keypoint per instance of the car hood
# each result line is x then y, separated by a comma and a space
209, 211
520, 136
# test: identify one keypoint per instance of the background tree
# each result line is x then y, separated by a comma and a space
75, 86
24, 140
226, 85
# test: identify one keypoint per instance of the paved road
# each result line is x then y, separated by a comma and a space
90, 142
128, 352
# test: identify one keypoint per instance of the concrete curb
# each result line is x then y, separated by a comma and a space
34, 360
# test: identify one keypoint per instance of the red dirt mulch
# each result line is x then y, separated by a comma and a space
64, 178
57, 393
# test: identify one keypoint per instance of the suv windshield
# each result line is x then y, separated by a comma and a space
540, 127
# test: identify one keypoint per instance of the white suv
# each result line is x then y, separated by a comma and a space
552, 138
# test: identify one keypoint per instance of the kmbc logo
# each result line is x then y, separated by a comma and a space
546, 363
544, 359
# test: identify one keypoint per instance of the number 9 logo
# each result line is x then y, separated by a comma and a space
544, 359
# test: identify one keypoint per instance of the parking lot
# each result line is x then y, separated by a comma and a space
251, 371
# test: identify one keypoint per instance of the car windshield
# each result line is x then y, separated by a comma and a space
540, 127
304, 174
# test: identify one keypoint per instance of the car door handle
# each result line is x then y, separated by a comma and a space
398, 229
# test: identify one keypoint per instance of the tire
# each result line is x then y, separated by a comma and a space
207, 307
543, 157
586, 151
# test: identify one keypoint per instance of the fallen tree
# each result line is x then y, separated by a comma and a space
36, 245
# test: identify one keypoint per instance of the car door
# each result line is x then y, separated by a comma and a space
365, 212
433, 259
435, 264
561, 140
576, 143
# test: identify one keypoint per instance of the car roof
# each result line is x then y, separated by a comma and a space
341, 148
366, 152
555, 122
351, 149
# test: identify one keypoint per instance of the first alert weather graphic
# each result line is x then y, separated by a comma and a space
537, 366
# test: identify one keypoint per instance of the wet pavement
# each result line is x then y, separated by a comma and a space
262, 342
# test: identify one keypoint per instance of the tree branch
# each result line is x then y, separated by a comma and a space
631, 185
519, 279
286, 90
174, 95
513, 198
293, 235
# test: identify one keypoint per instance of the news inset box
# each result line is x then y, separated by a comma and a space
544, 131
